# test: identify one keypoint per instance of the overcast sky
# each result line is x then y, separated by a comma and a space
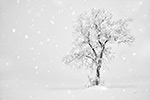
36, 34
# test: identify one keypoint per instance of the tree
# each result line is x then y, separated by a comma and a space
94, 32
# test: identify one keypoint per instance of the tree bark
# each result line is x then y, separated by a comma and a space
97, 81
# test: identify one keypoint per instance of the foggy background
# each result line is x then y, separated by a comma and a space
36, 34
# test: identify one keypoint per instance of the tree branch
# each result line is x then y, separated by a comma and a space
89, 57
92, 49
96, 27
100, 43
103, 48
105, 42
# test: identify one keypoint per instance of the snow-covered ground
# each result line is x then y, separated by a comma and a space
29, 90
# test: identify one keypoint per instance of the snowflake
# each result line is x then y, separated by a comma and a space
18, 1
66, 27
134, 54
73, 13
52, 22
47, 39
140, 2
13, 30
26, 36
36, 67
18, 57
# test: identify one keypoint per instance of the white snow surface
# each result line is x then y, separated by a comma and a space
28, 90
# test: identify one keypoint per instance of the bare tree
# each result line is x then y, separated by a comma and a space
93, 34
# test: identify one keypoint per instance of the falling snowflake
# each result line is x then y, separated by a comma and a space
47, 39
56, 45
52, 22
134, 54
68, 91
18, 57
37, 72
32, 48
38, 32
18, 1
66, 27
26, 36
73, 13
140, 2
7, 63
141, 30
53, 17
36, 67
13, 30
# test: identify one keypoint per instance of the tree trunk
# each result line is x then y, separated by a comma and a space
97, 81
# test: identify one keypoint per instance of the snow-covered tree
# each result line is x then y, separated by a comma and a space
93, 34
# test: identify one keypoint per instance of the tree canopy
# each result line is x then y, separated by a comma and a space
93, 32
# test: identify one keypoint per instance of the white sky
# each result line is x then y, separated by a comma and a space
36, 34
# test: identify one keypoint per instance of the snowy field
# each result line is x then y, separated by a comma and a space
28, 90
